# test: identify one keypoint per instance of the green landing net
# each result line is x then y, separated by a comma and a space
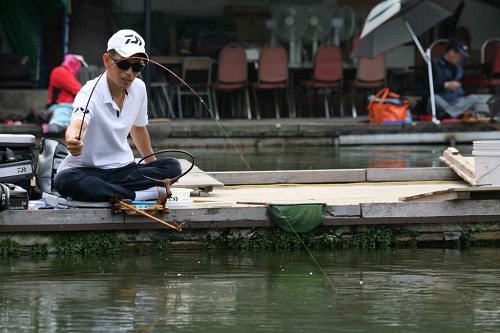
297, 217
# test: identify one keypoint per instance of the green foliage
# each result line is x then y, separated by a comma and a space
466, 237
273, 240
162, 245
373, 239
282, 240
332, 240
9, 248
86, 243
40, 251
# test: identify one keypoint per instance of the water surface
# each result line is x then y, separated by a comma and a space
422, 290
321, 157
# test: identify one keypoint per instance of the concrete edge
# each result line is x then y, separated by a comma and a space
334, 176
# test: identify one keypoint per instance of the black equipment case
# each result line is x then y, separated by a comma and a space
13, 197
18, 159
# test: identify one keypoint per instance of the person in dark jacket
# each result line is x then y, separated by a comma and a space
451, 101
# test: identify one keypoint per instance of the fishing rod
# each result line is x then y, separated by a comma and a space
168, 182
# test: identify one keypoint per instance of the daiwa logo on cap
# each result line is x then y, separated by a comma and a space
133, 39
127, 43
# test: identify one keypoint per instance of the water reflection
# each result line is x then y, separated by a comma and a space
404, 290
327, 157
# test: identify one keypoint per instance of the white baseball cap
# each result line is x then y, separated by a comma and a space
127, 43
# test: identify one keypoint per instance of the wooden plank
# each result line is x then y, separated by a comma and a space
474, 193
463, 166
431, 209
290, 176
409, 174
436, 196
334, 176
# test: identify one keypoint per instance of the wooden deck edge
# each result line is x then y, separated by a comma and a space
246, 217
416, 138
334, 176
431, 209
290, 176
441, 223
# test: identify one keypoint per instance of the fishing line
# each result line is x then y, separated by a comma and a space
221, 128
330, 282
202, 101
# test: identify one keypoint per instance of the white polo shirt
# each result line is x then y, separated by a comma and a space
106, 136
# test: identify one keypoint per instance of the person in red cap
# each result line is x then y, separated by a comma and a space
63, 87
106, 111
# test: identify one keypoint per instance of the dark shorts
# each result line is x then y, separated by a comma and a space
94, 184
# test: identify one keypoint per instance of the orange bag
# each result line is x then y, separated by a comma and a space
386, 106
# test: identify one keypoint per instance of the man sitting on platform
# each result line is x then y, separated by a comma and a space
106, 112
451, 101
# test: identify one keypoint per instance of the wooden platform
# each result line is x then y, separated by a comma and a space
355, 202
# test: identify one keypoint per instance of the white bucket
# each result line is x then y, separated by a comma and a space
486, 162
180, 196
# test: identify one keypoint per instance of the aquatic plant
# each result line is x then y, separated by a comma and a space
40, 251
277, 239
9, 248
162, 245
373, 239
85, 243
332, 240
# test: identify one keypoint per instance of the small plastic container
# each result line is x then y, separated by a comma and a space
180, 196
486, 162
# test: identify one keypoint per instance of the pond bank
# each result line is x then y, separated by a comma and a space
185, 133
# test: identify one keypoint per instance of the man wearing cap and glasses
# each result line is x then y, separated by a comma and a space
451, 101
101, 163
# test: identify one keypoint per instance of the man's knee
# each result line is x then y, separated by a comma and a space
67, 180
171, 165
176, 167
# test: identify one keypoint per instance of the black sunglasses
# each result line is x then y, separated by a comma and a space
125, 64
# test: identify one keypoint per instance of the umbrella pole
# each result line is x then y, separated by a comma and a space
427, 58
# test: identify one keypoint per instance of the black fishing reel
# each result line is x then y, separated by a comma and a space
4, 197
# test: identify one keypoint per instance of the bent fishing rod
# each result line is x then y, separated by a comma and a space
168, 182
